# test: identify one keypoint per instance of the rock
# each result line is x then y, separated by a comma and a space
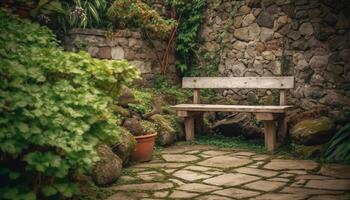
243, 10
343, 22
104, 53
309, 151
266, 34
252, 132
294, 35
237, 21
306, 29
125, 147
268, 55
279, 164
120, 110
238, 45
337, 42
313, 131
157, 103
336, 170
266, 3
265, 20
231, 126
336, 184
335, 99
166, 133
134, 126
247, 33
248, 19
126, 97
93, 51
117, 53
319, 61
108, 169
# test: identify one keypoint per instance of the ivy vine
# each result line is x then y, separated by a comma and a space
190, 18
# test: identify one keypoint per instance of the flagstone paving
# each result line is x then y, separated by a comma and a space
208, 173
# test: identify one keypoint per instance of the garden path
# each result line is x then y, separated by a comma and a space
208, 173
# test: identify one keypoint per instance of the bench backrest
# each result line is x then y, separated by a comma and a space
279, 82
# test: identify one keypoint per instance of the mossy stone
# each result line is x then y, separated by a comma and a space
125, 146
166, 133
313, 131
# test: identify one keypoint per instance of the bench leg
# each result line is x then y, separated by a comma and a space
282, 129
189, 128
199, 124
270, 135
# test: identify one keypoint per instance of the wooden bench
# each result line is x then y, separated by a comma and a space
274, 116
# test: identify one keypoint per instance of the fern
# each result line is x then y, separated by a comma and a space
339, 146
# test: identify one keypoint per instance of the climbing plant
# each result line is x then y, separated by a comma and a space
189, 15
54, 111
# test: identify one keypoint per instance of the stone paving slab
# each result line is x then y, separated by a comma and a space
208, 173
225, 162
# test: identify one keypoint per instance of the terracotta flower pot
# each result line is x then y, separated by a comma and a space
144, 147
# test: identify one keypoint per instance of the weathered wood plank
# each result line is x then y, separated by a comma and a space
196, 96
270, 135
231, 108
282, 129
283, 98
189, 128
278, 82
265, 116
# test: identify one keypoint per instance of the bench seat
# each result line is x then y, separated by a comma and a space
231, 108
273, 116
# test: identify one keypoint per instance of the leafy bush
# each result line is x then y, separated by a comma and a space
139, 14
162, 86
53, 111
339, 146
144, 101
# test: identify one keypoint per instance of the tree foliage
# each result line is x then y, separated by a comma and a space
53, 111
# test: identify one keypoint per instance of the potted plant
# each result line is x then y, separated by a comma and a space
145, 142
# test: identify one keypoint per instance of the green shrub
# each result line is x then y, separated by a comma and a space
144, 101
162, 86
53, 111
338, 148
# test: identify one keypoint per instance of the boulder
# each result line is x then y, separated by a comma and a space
157, 103
109, 168
134, 126
126, 97
166, 133
309, 151
313, 131
120, 110
252, 132
232, 125
125, 147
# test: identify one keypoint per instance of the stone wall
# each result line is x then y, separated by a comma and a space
308, 39
123, 44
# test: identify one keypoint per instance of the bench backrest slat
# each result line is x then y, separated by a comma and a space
278, 82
